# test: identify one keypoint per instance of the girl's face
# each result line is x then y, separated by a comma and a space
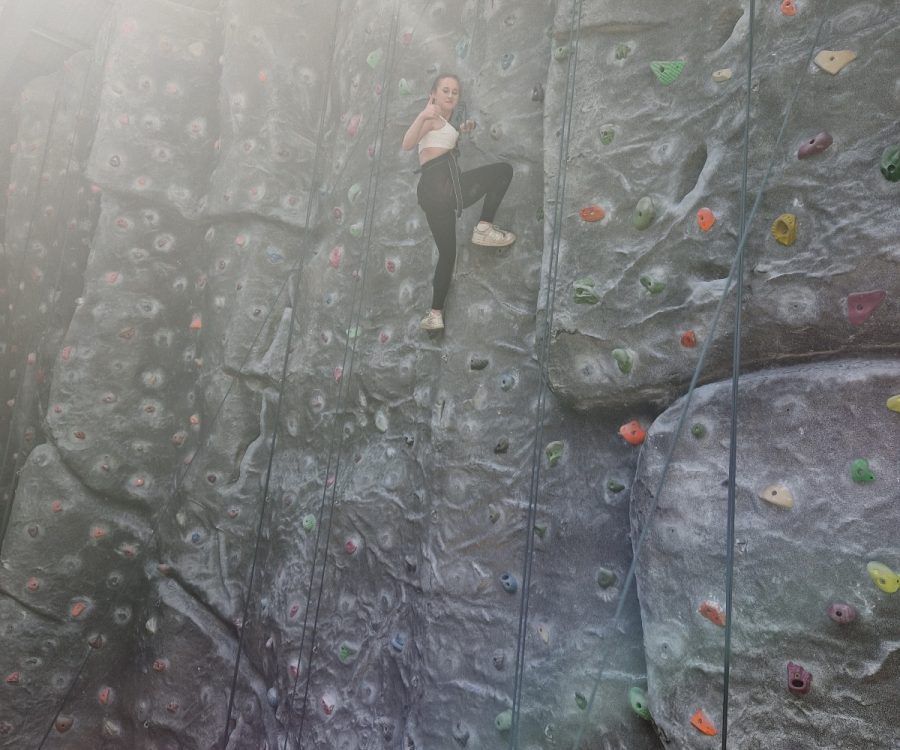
446, 94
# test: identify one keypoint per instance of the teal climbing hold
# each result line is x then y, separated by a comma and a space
374, 58
554, 452
580, 701
667, 71
309, 523
638, 700
584, 292
614, 486
624, 359
503, 721
462, 48
607, 133
405, 88
861, 472
651, 285
644, 213
890, 163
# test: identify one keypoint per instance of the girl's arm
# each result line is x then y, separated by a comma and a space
422, 124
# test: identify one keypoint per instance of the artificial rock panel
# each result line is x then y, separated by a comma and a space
679, 143
809, 425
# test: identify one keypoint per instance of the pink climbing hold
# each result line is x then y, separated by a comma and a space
334, 257
861, 305
353, 125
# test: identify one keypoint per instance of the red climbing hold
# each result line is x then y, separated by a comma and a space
13, 678
353, 125
33, 584
689, 339
350, 546
104, 695
861, 305
160, 665
63, 724
334, 257
633, 433
713, 612
705, 219
593, 213
56, 506
702, 724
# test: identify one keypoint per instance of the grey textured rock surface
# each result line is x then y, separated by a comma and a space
401, 461
810, 425
51, 212
676, 139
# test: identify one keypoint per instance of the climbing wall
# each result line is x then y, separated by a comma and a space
658, 142
174, 574
814, 650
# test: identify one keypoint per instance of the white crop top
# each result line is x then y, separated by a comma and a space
444, 137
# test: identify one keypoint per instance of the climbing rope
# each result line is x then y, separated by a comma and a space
550, 301
336, 441
735, 382
284, 375
654, 502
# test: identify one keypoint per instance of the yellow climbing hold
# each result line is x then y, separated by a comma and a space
883, 577
893, 403
779, 495
784, 229
722, 75
834, 61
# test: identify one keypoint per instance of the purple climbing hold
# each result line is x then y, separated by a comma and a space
815, 145
799, 680
861, 305
841, 613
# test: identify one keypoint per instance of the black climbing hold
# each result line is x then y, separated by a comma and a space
509, 583
502, 446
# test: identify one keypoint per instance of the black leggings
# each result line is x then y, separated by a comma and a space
437, 198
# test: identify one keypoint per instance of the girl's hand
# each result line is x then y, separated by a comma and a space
431, 111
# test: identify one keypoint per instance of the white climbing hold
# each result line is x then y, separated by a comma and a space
779, 495
834, 61
721, 75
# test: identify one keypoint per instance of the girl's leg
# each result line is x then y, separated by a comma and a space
490, 181
443, 228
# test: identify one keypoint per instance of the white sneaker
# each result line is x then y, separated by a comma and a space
492, 236
433, 321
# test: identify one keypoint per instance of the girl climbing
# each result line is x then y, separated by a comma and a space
444, 191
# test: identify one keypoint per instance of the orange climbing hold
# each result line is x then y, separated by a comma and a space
196, 322
702, 724
593, 213
789, 8
705, 219
713, 612
689, 339
78, 609
633, 433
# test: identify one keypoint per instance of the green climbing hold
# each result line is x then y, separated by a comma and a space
356, 230
622, 51
624, 359
644, 213
580, 701
638, 700
584, 292
354, 192
405, 88
614, 486
651, 285
346, 652
861, 472
503, 722
607, 133
554, 452
374, 58
890, 163
354, 332
539, 214
667, 71
309, 523
541, 530
698, 430
561, 53
606, 578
